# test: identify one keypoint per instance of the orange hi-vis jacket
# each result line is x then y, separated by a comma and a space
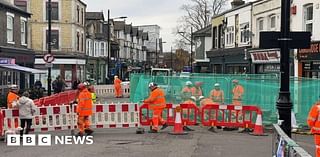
217, 96
117, 83
156, 99
84, 103
237, 92
191, 90
314, 119
197, 92
11, 98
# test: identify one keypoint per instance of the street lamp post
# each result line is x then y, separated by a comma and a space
49, 45
108, 37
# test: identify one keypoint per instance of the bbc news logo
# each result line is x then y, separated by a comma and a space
47, 140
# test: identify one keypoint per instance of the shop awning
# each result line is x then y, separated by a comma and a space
22, 68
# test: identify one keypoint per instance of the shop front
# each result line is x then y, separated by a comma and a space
309, 61
265, 61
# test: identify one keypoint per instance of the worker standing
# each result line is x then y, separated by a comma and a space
217, 95
314, 123
237, 93
117, 87
197, 90
84, 110
157, 103
12, 96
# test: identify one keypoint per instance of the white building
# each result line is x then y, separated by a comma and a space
153, 44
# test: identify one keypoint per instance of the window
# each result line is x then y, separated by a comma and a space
308, 17
21, 4
215, 35
230, 35
102, 49
244, 33
272, 22
82, 16
78, 41
96, 49
78, 14
10, 19
260, 25
54, 39
54, 11
91, 52
88, 47
23, 31
82, 42
221, 35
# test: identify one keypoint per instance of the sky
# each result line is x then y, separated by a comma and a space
164, 13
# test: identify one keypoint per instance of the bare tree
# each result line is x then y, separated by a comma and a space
197, 15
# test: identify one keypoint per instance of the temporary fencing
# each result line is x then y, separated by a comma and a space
63, 98
230, 115
63, 117
108, 90
261, 89
282, 145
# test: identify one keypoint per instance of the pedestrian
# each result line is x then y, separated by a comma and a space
237, 93
38, 84
157, 102
313, 122
217, 95
26, 112
117, 87
55, 84
84, 110
13, 96
75, 84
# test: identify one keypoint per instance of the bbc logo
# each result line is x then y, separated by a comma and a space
29, 140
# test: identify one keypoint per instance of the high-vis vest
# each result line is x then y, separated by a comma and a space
314, 119
217, 96
156, 99
191, 90
84, 107
11, 98
94, 97
237, 92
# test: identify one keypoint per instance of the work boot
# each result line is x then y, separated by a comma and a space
211, 129
165, 125
88, 131
219, 127
185, 128
153, 131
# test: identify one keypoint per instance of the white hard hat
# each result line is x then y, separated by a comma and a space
201, 97
217, 85
86, 83
13, 86
193, 98
152, 84
188, 83
116, 76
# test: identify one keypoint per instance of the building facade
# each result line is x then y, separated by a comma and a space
16, 57
68, 37
203, 43
305, 16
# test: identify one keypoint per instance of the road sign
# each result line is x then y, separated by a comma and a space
49, 65
48, 58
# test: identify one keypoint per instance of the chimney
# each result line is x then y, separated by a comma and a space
236, 3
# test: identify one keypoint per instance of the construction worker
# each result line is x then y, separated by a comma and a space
157, 103
12, 96
93, 94
217, 95
197, 90
314, 123
237, 93
187, 91
117, 87
84, 110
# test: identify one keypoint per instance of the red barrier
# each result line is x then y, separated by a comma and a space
229, 115
63, 98
146, 115
1, 123
190, 113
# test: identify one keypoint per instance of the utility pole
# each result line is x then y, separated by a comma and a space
108, 38
156, 51
191, 47
49, 45
171, 59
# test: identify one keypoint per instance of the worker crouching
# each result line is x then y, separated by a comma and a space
157, 103
84, 110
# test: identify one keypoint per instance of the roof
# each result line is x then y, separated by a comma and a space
233, 9
94, 16
203, 32
82, 3
119, 25
13, 7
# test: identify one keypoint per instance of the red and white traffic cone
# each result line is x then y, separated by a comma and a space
258, 128
178, 127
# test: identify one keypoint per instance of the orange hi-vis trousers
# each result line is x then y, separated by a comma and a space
317, 142
118, 91
83, 123
157, 118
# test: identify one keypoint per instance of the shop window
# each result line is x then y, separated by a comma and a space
54, 11
308, 17
10, 22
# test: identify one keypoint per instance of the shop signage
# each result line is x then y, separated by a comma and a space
7, 61
312, 53
271, 56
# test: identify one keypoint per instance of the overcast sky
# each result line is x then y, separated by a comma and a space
164, 13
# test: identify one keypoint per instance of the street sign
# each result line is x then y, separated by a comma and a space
48, 58
49, 65
295, 40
